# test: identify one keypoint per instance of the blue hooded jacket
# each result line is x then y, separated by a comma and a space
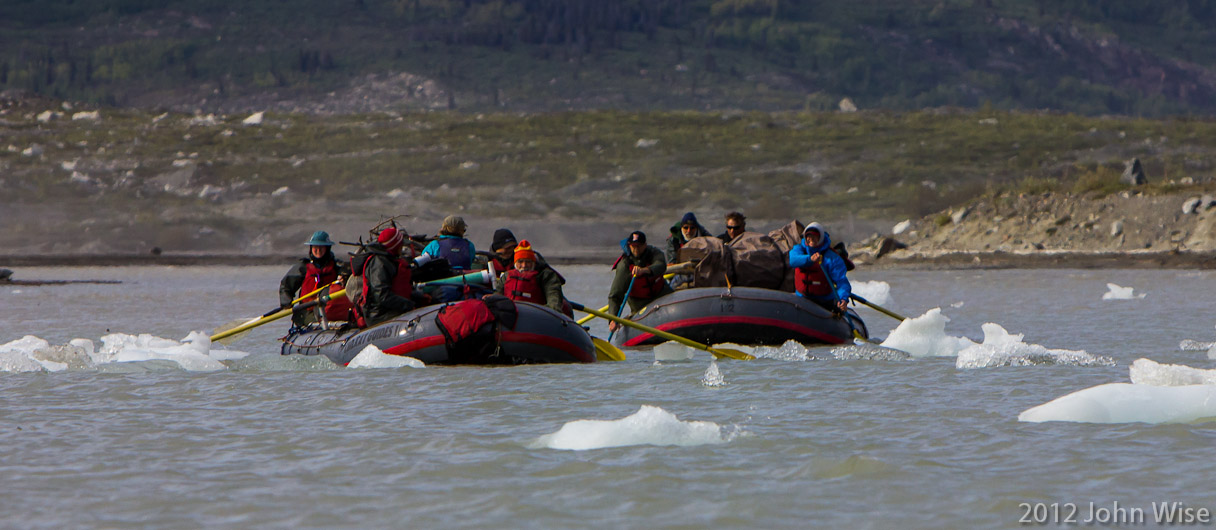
833, 265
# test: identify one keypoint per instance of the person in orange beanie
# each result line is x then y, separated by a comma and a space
527, 282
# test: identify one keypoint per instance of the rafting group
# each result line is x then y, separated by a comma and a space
443, 302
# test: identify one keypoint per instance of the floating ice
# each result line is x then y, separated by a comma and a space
713, 377
648, 426
372, 357
1120, 293
791, 350
1000, 348
34, 354
1129, 403
869, 352
925, 336
1194, 345
673, 351
876, 292
1146, 372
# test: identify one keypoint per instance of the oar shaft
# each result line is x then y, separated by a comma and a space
650, 330
879, 308
269, 318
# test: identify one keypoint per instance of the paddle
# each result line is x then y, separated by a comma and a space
231, 325
621, 309
605, 351
879, 308
718, 352
590, 316
270, 318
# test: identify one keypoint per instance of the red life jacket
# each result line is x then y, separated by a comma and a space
810, 280
524, 286
647, 287
337, 308
402, 286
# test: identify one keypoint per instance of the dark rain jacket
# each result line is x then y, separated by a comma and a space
378, 275
677, 241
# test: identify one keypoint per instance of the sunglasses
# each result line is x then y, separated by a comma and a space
729, 227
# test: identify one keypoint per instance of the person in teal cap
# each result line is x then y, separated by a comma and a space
319, 269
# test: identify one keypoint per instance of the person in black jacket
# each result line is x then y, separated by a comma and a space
386, 288
319, 269
736, 224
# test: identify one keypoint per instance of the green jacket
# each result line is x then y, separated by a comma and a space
651, 258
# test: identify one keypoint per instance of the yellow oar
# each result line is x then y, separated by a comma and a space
590, 316
232, 325
605, 351
879, 308
718, 352
268, 318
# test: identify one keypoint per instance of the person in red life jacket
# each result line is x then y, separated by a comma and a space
503, 248
819, 273
386, 279
318, 269
451, 244
641, 266
530, 281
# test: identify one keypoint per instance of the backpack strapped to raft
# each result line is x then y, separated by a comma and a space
470, 328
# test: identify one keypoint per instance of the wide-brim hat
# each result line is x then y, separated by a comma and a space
320, 238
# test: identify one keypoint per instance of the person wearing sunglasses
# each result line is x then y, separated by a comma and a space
736, 224
681, 233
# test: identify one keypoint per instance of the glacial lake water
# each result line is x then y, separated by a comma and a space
821, 440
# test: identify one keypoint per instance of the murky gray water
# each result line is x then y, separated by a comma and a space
291, 443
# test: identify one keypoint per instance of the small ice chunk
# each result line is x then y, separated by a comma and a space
1147, 372
673, 351
869, 352
1120, 293
373, 357
790, 350
255, 118
1000, 348
925, 336
650, 425
1194, 345
877, 292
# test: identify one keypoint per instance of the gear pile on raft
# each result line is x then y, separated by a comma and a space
441, 301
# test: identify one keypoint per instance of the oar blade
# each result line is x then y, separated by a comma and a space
731, 353
605, 351
229, 339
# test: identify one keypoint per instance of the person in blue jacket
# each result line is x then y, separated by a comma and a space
452, 245
819, 272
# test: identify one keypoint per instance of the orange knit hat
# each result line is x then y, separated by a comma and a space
524, 251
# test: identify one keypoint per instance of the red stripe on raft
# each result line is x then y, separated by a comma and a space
549, 342
415, 345
751, 321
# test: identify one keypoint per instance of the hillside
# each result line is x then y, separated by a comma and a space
76, 179
1125, 57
